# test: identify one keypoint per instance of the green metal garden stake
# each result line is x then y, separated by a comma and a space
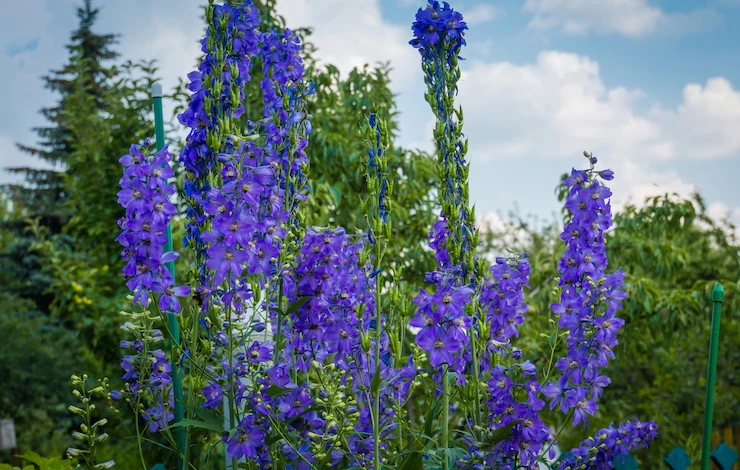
718, 296
171, 319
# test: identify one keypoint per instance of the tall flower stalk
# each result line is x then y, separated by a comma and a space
377, 209
438, 35
589, 298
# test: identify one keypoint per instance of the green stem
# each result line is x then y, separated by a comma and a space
231, 394
555, 439
476, 375
376, 388
138, 440
445, 417
278, 342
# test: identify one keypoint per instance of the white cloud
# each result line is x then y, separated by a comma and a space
350, 33
508, 234
706, 123
480, 13
559, 106
720, 213
553, 107
628, 17
154, 33
634, 181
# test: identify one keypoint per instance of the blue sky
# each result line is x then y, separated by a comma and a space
651, 87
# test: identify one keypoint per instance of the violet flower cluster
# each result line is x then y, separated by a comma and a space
514, 388
255, 185
244, 205
285, 119
148, 380
331, 322
230, 43
608, 444
334, 327
145, 196
443, 322
589, 300
438, 30
502, 300
328, 328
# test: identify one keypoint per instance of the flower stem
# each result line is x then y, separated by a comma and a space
476, 379
376, 387
445, 417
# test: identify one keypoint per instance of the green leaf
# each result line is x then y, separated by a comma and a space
501, 434
296, 305
274, 390
413, 461
33, 457
432, 416
337, 194
375, 382
194, 423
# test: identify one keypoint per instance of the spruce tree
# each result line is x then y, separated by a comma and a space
43, 192
65, 253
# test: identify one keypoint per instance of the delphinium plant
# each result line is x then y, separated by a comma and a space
294, 353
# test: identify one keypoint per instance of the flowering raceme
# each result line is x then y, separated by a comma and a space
230, 43
299, 339
608, 445
439, 37
144, 195
589, 297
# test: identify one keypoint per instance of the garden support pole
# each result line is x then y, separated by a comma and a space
171, 318
718, 296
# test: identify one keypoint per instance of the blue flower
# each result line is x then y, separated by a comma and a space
246, 440
438, 27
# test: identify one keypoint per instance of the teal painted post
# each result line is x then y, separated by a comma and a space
724, 456
718, 296
625, 462
172, 324
677, 459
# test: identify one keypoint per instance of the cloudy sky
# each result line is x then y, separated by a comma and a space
651, 87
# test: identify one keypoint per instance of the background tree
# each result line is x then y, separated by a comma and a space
42, 193
44, 189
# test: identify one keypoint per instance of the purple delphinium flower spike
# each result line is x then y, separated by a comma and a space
590, 298
144, 195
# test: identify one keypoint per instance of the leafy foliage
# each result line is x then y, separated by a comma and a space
34, 367
337, 173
